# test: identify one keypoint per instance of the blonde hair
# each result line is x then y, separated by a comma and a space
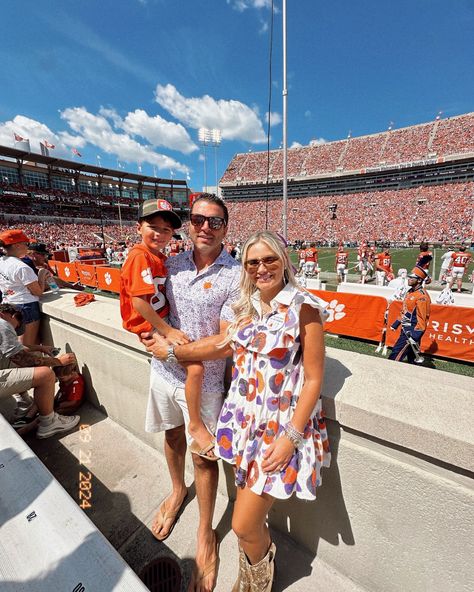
244, 309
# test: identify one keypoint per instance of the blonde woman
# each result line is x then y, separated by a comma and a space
271, 426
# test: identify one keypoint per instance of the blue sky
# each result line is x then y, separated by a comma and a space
132, 81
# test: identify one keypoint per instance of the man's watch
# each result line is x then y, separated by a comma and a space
171, 357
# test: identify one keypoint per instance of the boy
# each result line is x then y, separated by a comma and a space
144, 307
71, 389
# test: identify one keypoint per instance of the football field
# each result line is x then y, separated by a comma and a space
400, 258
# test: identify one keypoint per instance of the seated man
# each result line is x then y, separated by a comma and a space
31, 372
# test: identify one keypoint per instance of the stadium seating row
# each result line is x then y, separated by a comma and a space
438, 138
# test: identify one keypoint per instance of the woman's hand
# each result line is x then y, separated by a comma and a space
176, 337
278, 455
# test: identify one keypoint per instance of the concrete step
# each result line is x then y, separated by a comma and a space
129, 481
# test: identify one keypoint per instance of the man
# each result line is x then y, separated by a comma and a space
445, 265
460, 261
363, 261
31, 371
311, 261
202, 284
342, 262
383, 266
413, 319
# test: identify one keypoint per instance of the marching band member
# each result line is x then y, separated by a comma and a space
414, 317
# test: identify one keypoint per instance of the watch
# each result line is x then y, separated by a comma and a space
171, 357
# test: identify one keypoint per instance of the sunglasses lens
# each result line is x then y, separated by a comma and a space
197, 220
215, 223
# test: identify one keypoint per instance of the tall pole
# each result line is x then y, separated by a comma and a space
285, 140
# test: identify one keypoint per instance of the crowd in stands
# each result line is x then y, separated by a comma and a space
439, 138
433, 213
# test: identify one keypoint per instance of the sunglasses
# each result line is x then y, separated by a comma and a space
269, 262
215, 222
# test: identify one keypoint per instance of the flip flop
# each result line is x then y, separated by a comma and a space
211, 567
165, 515
194, 449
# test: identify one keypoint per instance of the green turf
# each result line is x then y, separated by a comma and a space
400, 258
363, 347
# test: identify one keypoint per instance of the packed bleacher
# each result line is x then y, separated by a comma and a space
441, 213
439, 138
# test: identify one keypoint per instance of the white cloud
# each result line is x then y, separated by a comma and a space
32, 130
96, 130
296, 145
158, 131
236, 120
317, 141
275, 118
242, 5
307, 114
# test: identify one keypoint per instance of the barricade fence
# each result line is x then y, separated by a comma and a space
450, 332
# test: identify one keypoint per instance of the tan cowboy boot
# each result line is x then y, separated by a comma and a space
261, 574
243, 579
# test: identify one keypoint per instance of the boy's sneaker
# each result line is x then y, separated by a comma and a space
60, 423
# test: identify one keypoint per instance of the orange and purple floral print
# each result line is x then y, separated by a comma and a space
267, 380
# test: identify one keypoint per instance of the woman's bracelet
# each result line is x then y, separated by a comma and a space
293, 435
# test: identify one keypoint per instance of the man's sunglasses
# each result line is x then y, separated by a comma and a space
215, 222
254, 264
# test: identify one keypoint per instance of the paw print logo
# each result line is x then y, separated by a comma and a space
108, 278
147, 277
335, 311
67, 271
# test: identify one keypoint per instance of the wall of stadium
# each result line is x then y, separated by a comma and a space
396, 509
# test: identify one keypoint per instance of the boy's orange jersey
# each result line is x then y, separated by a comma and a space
143, 274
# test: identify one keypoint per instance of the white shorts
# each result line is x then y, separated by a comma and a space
309, 266
167, 407
341, 269
457, 272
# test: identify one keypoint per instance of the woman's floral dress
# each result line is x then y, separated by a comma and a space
266, 382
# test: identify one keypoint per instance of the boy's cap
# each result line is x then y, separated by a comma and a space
13, 236
150, 207
39, 248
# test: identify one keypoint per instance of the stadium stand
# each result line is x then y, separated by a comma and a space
440, 138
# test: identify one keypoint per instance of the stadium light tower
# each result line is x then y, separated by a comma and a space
210, 137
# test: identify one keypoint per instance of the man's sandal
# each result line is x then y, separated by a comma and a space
211, 568
163, 516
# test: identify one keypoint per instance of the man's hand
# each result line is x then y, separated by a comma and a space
46, 349
65, 359
176, 337
155, 344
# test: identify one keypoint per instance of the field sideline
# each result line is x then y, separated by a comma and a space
400, 258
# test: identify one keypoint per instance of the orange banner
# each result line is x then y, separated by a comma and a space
87, 274
108, 278
67, 271
450, 332
354, 315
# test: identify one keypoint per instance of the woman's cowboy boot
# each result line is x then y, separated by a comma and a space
261, 574
243, 580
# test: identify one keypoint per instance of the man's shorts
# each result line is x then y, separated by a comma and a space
15, 380
30, 311
341, 269
457, 272
167, 407
309, 266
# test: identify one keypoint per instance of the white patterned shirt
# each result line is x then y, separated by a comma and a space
198, 302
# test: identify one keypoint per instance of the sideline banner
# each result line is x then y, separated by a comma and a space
67, 271
450, 332
87, 274
354, 315
108, 278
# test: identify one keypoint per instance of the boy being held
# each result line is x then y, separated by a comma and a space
144, 307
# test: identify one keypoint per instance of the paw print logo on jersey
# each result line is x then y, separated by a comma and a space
147, 277
335, 311
108, 278
67, 271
